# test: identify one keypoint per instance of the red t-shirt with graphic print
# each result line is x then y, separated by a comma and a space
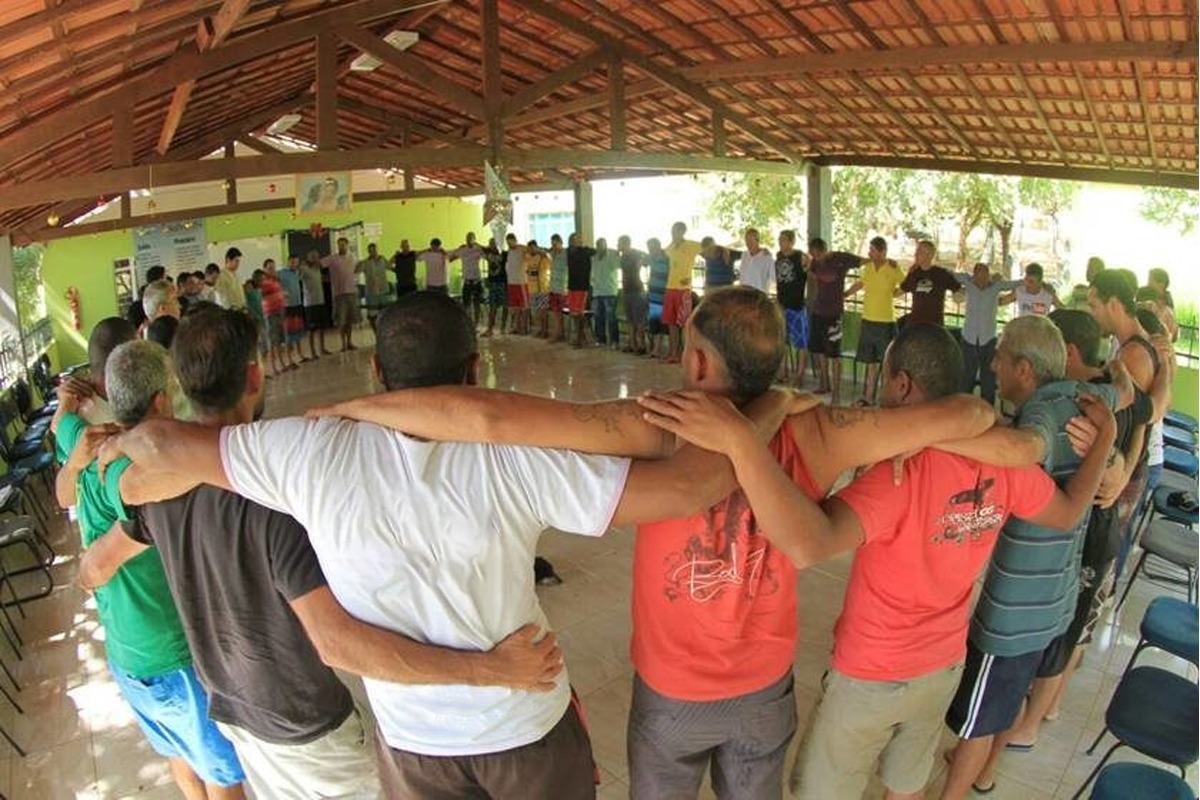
714, 604
908, 601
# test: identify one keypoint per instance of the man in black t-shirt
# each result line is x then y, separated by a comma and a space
579, 283
263, 626
929, 285
497, 288
633, 292
404, 262
791, 282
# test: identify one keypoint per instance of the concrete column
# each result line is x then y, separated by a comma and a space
584, 223
820, 203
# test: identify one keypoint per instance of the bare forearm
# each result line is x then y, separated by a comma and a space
64, 484
1081, 488
183, 454
792, 522
463, 413
380, 654
1000, 446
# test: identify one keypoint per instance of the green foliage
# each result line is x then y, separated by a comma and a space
31, 293
766, 202
867, 200
1173, 208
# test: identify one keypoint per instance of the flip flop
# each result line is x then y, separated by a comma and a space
980, 790
1017, 747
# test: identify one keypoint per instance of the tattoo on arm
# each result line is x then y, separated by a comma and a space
607, 414
846, 417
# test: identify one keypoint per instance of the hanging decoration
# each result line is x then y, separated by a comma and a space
316, 230
76, 311
497, 205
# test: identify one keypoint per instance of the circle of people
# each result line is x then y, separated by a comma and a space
237, 562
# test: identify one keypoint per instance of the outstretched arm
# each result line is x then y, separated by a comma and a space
1068, 504
105, 556
472, 414
169, 458
344, 642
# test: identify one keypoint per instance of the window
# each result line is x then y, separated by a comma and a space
543, 226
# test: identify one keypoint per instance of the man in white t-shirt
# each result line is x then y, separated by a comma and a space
434, 541
757, 264
1033, 295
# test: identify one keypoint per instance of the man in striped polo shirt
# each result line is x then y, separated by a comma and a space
1032, 583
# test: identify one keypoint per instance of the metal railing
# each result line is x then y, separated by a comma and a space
32, 343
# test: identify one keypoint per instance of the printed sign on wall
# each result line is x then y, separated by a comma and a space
178, 246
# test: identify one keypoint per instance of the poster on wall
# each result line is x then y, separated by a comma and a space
178, 246
323, 193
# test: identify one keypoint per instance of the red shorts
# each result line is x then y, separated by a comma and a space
556, 302
518, 296
677, 307
577, 303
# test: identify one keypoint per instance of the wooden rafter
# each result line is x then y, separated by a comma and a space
109, 182
1140, 83
210, 32
396, 121
462, 98
189, 64
558, 78
666, 77
616, 103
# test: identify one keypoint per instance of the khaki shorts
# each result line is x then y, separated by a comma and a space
857, 722
345, 310
338, 764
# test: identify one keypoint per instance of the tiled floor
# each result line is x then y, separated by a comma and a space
83, 743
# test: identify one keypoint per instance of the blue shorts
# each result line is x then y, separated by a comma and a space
173, 712
797, 327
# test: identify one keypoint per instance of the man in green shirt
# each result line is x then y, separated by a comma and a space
144, 639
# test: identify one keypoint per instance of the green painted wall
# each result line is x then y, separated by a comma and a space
86, 262
1186, 397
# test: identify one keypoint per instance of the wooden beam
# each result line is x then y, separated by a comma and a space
258, 145
122, 138
911, 58
327, 91
126, 206
187, 64
616, 103
110, 182
666, 77
718, 135
493, 91
666, 162
521, 100
230, 184
179, 101
388, 118
588, 102
1091, 109
459, 96
1130, 177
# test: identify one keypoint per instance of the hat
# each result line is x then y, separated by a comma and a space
232, 253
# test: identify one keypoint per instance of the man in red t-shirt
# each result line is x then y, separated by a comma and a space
714, 601
901, 638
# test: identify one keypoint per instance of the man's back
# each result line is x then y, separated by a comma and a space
234, 567
433, 541
714, 603
924, 543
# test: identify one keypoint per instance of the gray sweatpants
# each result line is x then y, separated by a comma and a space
744, 739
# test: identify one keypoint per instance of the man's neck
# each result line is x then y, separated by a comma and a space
1125, 327
234, 416
1079, 371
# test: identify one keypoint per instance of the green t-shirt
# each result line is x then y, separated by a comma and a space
142, 631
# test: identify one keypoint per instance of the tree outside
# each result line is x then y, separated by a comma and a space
31, 292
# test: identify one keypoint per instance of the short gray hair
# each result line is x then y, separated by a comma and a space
155, 295
136, 371
1039, 342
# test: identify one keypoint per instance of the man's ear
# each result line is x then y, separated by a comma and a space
703, 363
471, 376
904, 383
163, 407
254, 378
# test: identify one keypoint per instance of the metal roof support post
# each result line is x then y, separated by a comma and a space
819, 203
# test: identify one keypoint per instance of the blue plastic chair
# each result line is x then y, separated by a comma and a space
1129, 780
1178, 419
1170, 625
1181, 461
1161, 505
1154, 712
1173, 543
1178, 437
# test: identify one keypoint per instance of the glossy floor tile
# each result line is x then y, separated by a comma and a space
83, 743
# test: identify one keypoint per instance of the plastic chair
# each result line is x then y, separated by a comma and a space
1179, 437
1178, 419
1169, 625
1174, 544
1123, 781
1181, 461
1154, 712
